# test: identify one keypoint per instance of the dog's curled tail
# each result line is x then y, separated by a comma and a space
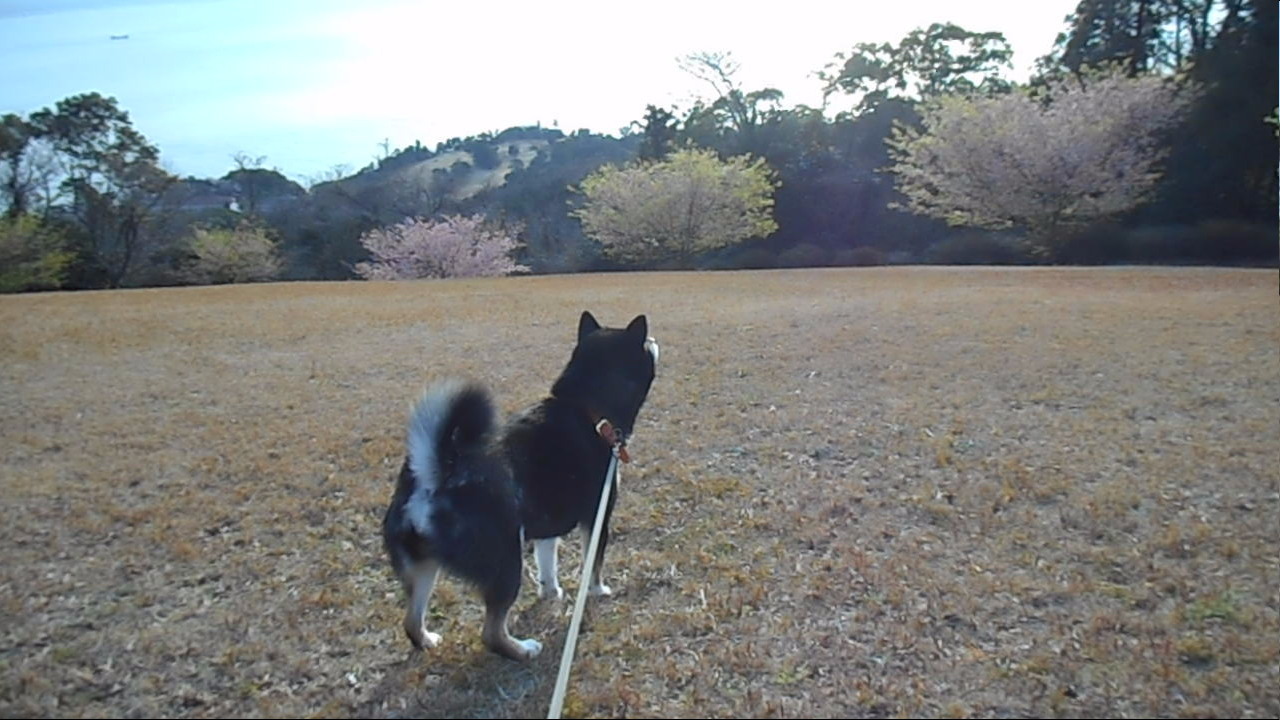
450, 419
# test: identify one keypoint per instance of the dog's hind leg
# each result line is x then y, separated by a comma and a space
497, 639
597, 571
420, 580
544, 554
498, 599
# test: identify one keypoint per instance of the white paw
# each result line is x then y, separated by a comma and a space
600, 589
422, 639
529, 648
551, 592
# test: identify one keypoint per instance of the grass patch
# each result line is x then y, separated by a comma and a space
896, 491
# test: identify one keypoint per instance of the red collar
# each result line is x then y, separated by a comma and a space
605, 430
616, 441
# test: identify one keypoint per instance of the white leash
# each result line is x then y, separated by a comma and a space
588, 562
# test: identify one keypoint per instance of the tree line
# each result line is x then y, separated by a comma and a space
1147, 134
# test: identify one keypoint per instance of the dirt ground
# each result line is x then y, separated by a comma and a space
857, 493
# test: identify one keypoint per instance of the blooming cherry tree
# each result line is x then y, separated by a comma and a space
1085, 148
454, 246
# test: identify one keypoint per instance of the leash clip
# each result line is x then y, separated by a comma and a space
616, 439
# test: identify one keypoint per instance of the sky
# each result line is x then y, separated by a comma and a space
317, 84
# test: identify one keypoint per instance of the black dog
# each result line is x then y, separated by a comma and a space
467, 495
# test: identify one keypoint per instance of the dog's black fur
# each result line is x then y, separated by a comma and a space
468, 493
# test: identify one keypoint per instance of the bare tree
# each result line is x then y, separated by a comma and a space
742, 111
28, 170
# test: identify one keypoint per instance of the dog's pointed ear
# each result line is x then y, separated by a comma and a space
639, 328
586, 325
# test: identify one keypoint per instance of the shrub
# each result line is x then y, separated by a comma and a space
484, 155
1211, 241
863, 256
977, 248
1099, 244
1159, 244
804, 255
33, 256
752, 258
1235, 241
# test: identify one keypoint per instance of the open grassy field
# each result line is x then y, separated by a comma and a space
881, 492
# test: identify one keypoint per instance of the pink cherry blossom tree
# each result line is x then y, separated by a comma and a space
454, 246
1082, 149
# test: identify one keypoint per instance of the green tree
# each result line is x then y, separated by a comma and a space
259, 186
1146, 35
33, 255
112, 174
1223, 161
244, 254
660, 130
675, 209
484, 154
928, 62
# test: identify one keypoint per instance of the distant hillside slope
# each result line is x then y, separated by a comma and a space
466, 183
417, 181
521, 177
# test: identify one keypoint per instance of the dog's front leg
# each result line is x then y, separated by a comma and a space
544, 554
597, 571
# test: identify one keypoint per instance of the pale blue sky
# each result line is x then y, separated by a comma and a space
312, 84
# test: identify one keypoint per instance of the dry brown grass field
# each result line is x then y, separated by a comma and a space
864, 493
